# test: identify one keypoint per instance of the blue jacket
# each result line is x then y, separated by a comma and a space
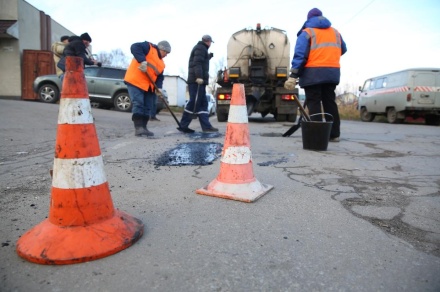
316, 75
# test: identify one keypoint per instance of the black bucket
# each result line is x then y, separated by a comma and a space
316, 134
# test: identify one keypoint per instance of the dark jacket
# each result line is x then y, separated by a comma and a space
198, 65
75, 48
317, 75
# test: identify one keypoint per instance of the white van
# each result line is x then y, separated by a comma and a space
409, 93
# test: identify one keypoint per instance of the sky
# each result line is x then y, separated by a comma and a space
382, 36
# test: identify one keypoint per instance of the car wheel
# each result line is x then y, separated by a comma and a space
366, 116
49, 93
122, 102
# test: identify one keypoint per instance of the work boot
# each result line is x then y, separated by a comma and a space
186, 130
212, 129
144, 126
139, 128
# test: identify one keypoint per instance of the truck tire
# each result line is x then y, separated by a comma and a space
392, 116
366, 116
222, 117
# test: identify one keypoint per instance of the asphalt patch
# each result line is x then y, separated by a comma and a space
194, 153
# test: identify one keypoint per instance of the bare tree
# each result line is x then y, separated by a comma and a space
114, 58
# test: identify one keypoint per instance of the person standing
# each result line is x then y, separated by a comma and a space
147, 59
77, 48
57, 49
198, 78
318, 50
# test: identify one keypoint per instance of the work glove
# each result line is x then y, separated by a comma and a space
158, 93
199, 81
290, 83
211, 55
143, 66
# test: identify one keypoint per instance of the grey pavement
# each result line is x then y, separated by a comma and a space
362, 216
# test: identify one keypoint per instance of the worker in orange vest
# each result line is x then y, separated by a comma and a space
318, 50
147, 63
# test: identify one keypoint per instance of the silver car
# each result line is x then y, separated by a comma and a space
105, 85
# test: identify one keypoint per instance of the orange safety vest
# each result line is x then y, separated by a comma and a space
155, 67
325, 47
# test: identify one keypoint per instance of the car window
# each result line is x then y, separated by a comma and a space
91, 71
380, 83
112, 73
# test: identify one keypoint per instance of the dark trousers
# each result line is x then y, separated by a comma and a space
325, 93
201, 108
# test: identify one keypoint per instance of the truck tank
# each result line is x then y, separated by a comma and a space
259, 59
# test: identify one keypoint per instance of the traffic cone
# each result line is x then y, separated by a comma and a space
236, 180
83, 224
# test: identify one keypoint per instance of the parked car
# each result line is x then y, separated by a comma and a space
105, 85
212, 105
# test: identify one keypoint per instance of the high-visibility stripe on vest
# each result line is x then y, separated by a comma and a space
155, 67
325, 47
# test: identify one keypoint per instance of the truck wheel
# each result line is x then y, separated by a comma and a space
392, 116
49, 93
432, 120
366, 116
221, 117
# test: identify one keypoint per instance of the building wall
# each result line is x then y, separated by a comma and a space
176, 88
28, 37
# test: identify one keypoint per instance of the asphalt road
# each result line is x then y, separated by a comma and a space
362, 216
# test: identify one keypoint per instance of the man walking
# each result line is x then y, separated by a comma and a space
198, 78
318, 50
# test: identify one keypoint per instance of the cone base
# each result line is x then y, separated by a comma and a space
50, 244
246, 192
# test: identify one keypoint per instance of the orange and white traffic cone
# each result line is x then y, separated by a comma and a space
83, 224
236, 180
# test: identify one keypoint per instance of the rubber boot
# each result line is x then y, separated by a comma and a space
144, 126
138, 126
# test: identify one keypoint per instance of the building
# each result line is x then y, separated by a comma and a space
177, 90
26, 35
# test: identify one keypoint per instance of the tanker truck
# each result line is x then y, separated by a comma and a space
260, 60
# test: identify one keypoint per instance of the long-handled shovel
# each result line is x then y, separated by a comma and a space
303, 114
163, 99
194, 115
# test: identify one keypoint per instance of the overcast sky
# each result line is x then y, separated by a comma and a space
382, 36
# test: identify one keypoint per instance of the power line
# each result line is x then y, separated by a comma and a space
360, 11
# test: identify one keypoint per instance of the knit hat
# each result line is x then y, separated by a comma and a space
85, 37
207, 38
164, 46
314, 12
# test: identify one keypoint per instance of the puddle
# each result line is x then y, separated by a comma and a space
195, 153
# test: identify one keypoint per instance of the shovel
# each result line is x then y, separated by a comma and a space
163, 99
194, 115
303, 114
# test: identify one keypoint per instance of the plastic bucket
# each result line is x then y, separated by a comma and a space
316, 134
